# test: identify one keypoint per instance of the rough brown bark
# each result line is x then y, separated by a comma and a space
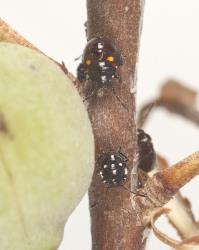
112, 216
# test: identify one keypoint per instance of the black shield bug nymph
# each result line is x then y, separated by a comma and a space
112, 168
113, 171
146, 152
100, 61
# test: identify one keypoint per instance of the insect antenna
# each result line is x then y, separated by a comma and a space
123, 105
134, 192
144, 113
63, 66
89, 95
78, 58
108, 188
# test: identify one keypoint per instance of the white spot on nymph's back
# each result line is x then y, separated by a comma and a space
112, 166
105, 166
115, 172
112, 157
126, 171
101, 64
103, 78
100, 45
120, 164
144, 139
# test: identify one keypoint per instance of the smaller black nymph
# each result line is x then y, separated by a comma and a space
112, 168
146, 152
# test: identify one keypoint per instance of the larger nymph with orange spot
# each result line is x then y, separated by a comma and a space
100, 62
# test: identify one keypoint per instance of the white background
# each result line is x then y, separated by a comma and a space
169, 49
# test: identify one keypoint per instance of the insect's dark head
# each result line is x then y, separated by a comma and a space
102, 50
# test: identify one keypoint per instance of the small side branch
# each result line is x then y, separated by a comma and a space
180, 212
162, 186
177, 99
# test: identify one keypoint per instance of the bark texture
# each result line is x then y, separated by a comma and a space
112, 215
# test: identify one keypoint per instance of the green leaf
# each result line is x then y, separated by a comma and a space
46, 150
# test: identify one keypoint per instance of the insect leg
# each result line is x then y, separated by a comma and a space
123, 105
89, 95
